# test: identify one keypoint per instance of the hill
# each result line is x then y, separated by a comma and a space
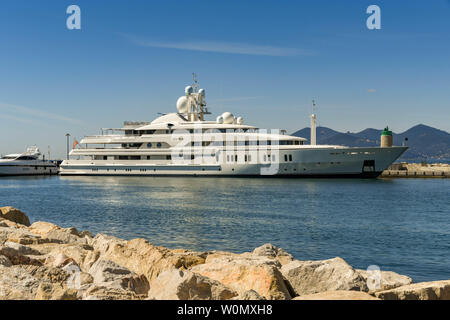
425, 143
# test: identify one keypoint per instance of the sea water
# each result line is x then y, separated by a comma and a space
402, 225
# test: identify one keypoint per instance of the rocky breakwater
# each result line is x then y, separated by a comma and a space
45, 261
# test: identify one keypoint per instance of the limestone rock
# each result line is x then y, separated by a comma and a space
109, 274
337, 295
51, 291
85, 278
42, 228
18, 235
53, 275
17, 284
246, 273
15, 215
179, 284
433, 290
106, 293
90, 259
107, 271
103, 243
11, 224
5, 262
383, 280
53, 233
64, 253
141, 257
270, 251
85, 233
21, 248
3, 223
57, 260
64, 236
16, 257
249, 295
308, 277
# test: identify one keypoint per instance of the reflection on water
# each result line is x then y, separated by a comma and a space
400, 225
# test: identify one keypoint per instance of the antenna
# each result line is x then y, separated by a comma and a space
195, 84
313, 125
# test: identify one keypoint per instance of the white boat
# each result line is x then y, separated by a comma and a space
27, 163
184, 143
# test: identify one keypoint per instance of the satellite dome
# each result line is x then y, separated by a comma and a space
201, 95
239, 120
228, 118
183, 104
188, 90
219, 119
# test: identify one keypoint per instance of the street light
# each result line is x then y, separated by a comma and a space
67, 135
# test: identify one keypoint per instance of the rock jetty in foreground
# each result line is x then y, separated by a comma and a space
43, 261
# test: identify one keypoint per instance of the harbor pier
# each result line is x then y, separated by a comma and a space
417, 170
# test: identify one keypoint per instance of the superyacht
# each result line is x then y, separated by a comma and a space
26, 164
183, 143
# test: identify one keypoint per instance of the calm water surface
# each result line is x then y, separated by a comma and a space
401, 225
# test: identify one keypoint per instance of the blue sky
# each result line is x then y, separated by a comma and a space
263, 60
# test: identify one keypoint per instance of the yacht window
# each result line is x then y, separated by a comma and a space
297, 142
168, 157
159, 144
24, 158
285, 157
290, 157
149, 145
236, 158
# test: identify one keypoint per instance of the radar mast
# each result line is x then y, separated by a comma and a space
313, 124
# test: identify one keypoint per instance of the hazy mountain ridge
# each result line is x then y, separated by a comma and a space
425, 143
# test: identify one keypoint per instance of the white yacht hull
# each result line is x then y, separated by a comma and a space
306, 162
27, 170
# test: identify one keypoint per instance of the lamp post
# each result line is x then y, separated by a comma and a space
67, 135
